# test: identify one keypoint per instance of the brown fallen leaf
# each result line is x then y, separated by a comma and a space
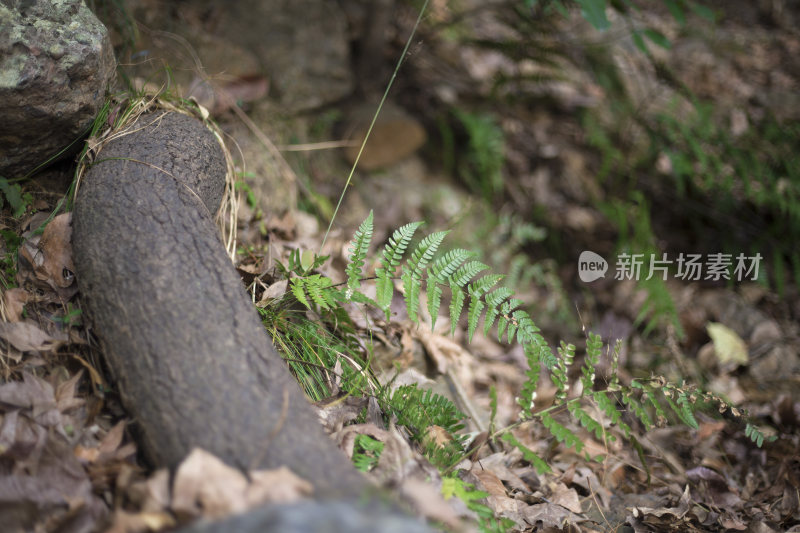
498, 499
206, 486
276, 486
46, 260
124, 522
43, 481
14, 301
429, 502
28, 337
566, 497
550, 515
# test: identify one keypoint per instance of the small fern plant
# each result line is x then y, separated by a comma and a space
652, 402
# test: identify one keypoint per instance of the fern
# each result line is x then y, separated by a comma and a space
594, 347
366, 452
586, 420
439, 274
476, 304
494, 299
561, 433
358, 253
412, 271
392, 254
529, 455
420, 409
560, 375
314, 288
651, 401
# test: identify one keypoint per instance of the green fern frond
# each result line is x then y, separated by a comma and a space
462, 276
647, 394
391, 255
494, 299
505, 318
298, 290
315, 288
425, 251
638, 410
527, 396
434, 293
585, 419
609, 407
562, 434
456, 305
753, 433
412, 271
358, 253
476, 291
438, 274
594, 349
529, 455
476, 306
560, 373
446, 265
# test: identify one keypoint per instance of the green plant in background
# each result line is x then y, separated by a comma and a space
18, 201
482, 168
632, 220
752, 181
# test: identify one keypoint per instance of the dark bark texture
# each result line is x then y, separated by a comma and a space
191, 360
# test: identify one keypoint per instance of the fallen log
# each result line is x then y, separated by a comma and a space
190, 357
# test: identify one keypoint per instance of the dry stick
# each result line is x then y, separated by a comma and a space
308, 147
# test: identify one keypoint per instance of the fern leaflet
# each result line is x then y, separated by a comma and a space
391, 255
529, 455
358, 253
412, 271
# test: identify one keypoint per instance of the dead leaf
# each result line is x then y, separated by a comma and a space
43, 480
274, 291
276, 486
65, 394
729, 347
27, 337
549, 515
125, 522
498, 499
429, 502
46, 261
442, 350
565, 497
206, 486
14, 301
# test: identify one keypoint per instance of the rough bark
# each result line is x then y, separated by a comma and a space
192, 362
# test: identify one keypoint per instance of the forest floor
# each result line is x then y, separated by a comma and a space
512, 133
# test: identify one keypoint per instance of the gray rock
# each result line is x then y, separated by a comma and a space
56, 61
302, 44
315, 517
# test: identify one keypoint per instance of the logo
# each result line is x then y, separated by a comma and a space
591, 266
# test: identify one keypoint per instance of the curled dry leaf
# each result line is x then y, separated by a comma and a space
46, 261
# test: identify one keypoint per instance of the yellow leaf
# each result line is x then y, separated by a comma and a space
728, 346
